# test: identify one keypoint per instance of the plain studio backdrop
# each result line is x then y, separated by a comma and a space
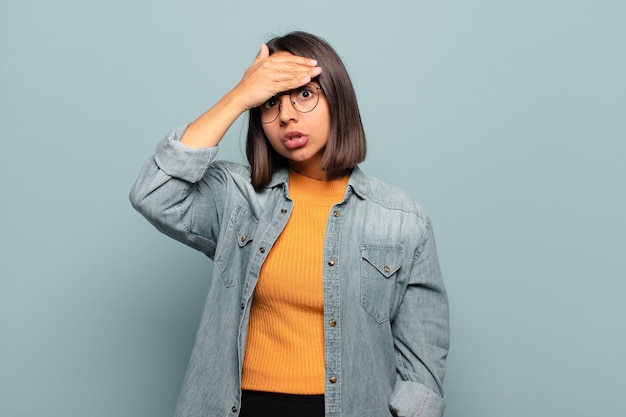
505, 119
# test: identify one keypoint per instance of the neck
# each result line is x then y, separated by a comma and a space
318, 174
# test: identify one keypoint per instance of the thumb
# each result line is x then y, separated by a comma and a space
264, 52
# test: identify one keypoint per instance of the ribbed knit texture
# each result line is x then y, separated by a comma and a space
285, 344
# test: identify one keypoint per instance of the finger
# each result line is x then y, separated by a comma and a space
287, 81
315, 72
286, 57
303, 78
295, 73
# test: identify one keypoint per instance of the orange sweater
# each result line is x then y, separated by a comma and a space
285, 343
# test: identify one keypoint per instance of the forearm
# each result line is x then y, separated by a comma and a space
209, 129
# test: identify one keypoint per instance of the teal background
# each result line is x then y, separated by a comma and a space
506, 119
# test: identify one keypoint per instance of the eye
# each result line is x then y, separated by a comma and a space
270, 103
306, 93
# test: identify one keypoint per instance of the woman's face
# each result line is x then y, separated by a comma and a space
301, 137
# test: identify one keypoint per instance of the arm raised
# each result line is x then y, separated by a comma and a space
267, 76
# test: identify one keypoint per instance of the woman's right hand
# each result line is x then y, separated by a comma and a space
271, 74
267, 76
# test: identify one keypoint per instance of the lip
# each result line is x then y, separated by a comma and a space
291, 134
294, 139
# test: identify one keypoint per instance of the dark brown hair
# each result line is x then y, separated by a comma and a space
346, 144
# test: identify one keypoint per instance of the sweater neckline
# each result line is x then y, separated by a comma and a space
315, 191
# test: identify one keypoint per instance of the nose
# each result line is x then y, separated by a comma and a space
286, 110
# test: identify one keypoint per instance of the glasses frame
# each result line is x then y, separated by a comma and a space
291, 100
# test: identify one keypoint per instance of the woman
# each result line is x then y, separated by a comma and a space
326, 298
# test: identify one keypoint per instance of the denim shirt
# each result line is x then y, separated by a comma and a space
385, 306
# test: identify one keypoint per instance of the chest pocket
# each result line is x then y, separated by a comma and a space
379, 264
234, 251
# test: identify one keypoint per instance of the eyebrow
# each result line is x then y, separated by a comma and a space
297, 88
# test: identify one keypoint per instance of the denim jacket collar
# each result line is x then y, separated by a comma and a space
358, 182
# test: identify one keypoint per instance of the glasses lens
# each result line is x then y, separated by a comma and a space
269, 110
304, 99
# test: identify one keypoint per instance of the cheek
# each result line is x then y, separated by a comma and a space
269, 131
265, 130
272, 134
324, 122
323, 118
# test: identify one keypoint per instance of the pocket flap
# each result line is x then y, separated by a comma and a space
387, 259
245, 226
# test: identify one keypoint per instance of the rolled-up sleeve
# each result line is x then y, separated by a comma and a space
175, 194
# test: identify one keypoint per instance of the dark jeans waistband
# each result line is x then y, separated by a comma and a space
266, 404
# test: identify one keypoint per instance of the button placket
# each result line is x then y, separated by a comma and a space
332, 337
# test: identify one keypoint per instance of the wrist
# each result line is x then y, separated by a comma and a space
236, 101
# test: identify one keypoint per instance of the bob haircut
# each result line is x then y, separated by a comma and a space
346, 144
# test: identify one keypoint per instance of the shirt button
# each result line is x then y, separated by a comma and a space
243, 238
233, 410
332, 379
283, 211
386, 268
336, 213
243, 306
332, 323
331, 263
262, 249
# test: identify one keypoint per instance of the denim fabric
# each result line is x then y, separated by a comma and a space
385, 306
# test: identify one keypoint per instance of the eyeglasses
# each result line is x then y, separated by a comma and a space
303, 99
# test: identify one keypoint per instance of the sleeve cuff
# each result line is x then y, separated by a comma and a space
179, 161
412, 399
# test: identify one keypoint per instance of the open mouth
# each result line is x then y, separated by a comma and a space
295, 140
